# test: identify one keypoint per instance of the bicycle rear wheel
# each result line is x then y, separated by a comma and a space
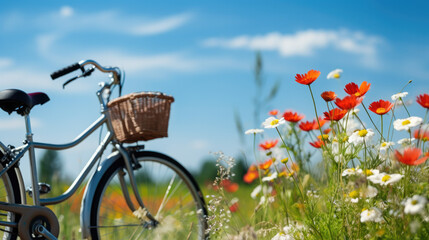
9, 193
169, 193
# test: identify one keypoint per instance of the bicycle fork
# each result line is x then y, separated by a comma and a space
141, 212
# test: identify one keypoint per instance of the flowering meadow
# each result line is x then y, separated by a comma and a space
370, 180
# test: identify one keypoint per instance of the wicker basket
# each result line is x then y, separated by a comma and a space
140, 116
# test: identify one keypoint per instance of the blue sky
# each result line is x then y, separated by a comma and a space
202, 53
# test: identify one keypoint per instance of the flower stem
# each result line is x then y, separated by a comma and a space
375, 126
317, 117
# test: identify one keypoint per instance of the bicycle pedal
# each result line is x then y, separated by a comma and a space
43, 189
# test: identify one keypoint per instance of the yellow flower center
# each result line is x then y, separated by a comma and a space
385, 178
364, 209
406, 122
380, 110
357, 94
368, 172
346, 138
324, 136
336, 75
274, 122
354, 194
414, 202
384, 144
363, 133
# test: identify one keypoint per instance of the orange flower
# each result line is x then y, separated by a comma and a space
317, 144
421, 134
307, 78
251, 175
381, 107
328, 96
353, 89
321, 122
274, 112
292, 116
229, 186
348, 102
266, 164
410, 156
308, 126
269, 144
335, 114
233, 207
326, 131
423, 100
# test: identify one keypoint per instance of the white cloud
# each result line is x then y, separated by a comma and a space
161, 25
303, 43
15, 122
5, 62
66, 11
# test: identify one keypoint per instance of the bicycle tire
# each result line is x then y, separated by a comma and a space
180, 217
10, 192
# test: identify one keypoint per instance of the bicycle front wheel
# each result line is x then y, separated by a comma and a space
169, 194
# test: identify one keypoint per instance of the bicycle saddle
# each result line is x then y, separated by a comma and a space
19, 101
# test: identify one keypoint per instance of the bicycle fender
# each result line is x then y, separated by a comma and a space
88, 196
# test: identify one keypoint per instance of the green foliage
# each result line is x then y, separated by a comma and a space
50, 167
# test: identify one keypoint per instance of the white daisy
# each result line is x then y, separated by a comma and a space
399, 95
406, 141
335, 74
415, 205
351, 171
273, 122
270, 178
371, 215
369, 192
254, 131
360, 136
256, 191
385, 145
385, 179
407, 123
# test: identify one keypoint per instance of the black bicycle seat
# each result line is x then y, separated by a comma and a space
19, 101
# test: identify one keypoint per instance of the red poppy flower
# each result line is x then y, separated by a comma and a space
410, 156
274, 112
308, 126
267, 164
267, 145
421, 134
353, 89
229, 186
326, 131
317, 144
328, 96
423, 100
292, 116
348, 102
233, 207
335, 114
251, 175
381, 107
321, 122
307, 78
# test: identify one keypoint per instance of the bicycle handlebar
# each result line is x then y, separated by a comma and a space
114, 70
65, 71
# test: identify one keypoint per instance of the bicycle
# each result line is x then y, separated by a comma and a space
133, 193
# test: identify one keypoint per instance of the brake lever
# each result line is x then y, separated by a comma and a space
86, 73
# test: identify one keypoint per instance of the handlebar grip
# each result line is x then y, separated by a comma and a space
65, 71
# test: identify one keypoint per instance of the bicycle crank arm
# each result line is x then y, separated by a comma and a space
40, 229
